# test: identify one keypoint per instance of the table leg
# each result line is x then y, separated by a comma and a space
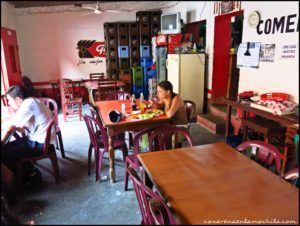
111, 153
228, 119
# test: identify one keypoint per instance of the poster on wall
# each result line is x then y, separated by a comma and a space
91, 52
248, 54
267, 52
288, 52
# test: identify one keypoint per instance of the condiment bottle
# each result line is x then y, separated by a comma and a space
133, 103
141, 103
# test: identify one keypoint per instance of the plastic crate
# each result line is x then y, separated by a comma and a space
144, 28
133, 29
144, 39
123, 40
136, 90
134, 61
122, 28
144, 51
146, 62
134, 40
134, 52
137, 76
123, 51
110, 28
123, 63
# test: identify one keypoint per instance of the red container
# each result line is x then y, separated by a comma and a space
175, 40
161, 40
274, 96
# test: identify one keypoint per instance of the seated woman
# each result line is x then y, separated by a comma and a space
171, 103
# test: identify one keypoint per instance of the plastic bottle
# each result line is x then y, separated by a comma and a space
194, 48
141, 103
133, 103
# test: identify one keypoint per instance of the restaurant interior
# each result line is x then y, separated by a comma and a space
149, 112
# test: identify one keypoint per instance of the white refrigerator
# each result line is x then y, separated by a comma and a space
186, 72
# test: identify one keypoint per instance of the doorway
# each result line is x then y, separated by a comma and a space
10, 61
228, 34
198, 29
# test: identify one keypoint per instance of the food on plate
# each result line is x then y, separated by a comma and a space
150, 113
156, 112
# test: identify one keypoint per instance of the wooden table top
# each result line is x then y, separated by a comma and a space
94, 84
106, 106
216, 182
283, 119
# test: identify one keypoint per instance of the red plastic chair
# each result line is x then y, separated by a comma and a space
265, 153
190, 109
160, 138
159, 213
292, 175
70, 99
100, 143
48, 152
96, 76
153, 208
106, 87
119, 95
52, 105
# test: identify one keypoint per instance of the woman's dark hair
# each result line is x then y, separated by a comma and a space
166, 85
17, 91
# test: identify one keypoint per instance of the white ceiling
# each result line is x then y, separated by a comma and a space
126, 6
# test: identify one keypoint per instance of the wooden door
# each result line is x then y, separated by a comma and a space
220, 72
10, 61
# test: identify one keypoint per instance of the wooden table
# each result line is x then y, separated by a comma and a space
124, 125
285, 120
93, 85
216, 182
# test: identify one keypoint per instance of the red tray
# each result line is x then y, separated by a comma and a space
274, 96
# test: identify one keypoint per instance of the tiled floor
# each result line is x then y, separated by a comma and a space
78, 199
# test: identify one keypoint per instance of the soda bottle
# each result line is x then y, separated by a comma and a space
141, 103
133, 103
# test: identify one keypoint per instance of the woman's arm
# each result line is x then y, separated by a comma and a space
176, 103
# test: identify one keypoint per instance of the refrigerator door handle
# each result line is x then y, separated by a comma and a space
167, 63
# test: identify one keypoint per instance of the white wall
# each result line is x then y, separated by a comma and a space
282, 75
48, 43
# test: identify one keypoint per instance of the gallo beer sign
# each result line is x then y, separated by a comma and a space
91, 49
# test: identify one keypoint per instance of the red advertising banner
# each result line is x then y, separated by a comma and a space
91, 49
98, 49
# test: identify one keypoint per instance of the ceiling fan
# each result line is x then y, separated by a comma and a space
97, 9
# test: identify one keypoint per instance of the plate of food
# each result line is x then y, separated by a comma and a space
156, 112
150, 113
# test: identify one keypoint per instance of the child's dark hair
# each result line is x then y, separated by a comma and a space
17, 91
166, 85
